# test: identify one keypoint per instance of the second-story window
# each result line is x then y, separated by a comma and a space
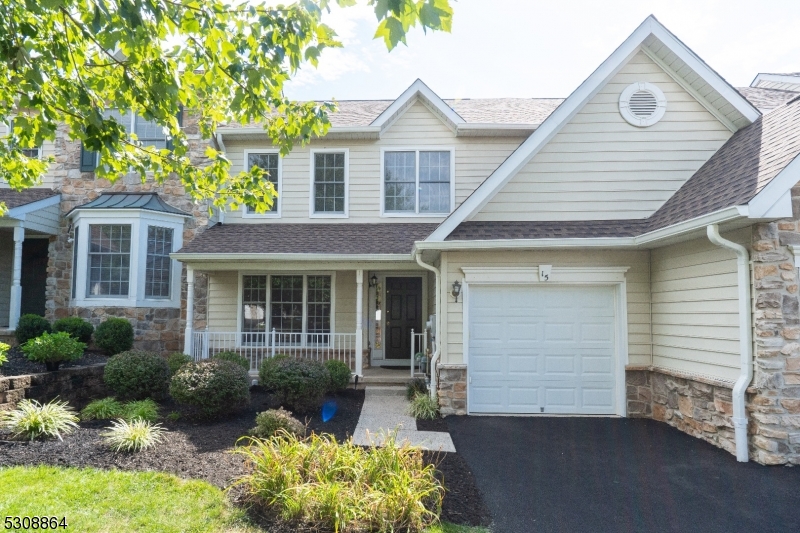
329, 183
270, 163
147, 131
417, 182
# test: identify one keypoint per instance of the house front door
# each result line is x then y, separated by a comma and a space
403, 313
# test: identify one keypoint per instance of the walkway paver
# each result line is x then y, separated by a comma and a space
385, 410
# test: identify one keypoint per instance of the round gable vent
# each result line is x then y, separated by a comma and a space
642, 104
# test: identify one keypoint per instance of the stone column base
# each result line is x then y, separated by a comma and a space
452, 389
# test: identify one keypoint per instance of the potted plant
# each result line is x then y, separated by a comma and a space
52, 349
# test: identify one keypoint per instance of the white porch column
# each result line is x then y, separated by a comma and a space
187, 339
359, 321
16, 275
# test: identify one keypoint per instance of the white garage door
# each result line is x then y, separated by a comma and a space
541, 349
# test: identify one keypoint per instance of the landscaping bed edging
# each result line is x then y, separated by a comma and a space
75, 385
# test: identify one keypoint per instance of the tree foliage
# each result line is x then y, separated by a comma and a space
64, 62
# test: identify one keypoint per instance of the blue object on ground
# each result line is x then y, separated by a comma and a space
328, 410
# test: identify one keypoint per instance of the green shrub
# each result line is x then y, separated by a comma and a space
4, 348
52, 349
29, 327
267, 364
416, 386
146, 410
104, 409
136, 375
269, 422
212, 386
177, 360
133, 436
32, 420
339, 375
343, 487
234, 357
423, 406
299, 384
174, 416
76, 326
114, 336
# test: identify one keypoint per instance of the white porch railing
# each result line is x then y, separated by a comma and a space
257, 346
419, 344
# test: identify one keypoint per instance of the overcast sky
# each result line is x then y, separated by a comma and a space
535, 48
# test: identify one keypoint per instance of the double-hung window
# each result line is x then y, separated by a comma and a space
109, 260
158, 270
417, 182
298, 307
269, 162
329, 183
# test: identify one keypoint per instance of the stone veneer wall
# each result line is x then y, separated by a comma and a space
156, 329
452, 389
77, 386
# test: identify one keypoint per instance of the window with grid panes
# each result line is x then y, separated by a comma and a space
417, 182
318, 308
158, 266
329, 182
268, 163
434, 182
399, 174
286, 307
109, 260
254, 309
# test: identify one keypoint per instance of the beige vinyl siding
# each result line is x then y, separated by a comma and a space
599, 167
695, 307
223, 301
417, 128
6, 264
637, 282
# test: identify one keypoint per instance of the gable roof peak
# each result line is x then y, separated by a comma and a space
418, 91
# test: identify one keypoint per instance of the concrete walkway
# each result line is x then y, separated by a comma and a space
386, 409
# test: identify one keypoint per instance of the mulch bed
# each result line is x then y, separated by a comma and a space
200, 449
19, 365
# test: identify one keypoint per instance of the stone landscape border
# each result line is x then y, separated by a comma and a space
77, 386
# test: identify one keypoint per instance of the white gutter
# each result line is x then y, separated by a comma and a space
745, 341
438, 350
225, 257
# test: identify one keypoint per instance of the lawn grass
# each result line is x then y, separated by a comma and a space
110, 500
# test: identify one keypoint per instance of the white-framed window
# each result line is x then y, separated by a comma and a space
299, 307
121, 258
271, 162
329, 183
417, 182
148, 132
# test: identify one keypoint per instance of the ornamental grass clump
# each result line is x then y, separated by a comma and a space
4, 348
32, 420
343, 487
211, 387
146, 410
133, 436
104, 409
52, 349
424, 406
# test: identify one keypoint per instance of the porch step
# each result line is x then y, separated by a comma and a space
402, 380
378, 390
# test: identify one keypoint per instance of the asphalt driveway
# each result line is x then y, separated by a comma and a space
541, 474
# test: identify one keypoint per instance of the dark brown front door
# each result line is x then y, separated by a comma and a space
34, 276
403, 313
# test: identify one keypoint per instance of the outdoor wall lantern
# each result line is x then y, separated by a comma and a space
373, 281
456, 289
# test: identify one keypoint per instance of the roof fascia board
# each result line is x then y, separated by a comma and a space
418, 89
717, 217
780, 78
691, 90
120, 212
196, 257
693, 61
545, 132
766, 198
22, 210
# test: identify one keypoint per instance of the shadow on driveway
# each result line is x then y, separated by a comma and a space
542, 474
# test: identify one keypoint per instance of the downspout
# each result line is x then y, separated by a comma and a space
437, 350
745, 341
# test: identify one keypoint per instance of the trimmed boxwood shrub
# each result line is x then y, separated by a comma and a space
176, 360
212, 386
268, 423
76, 326
299, 384
136, 375
340, 374
114, 336
52, 349
31, 326
234, 357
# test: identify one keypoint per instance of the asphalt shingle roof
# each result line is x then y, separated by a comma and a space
14, 199
345, 238
766, 99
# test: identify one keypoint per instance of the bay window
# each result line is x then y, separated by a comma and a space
417, 182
